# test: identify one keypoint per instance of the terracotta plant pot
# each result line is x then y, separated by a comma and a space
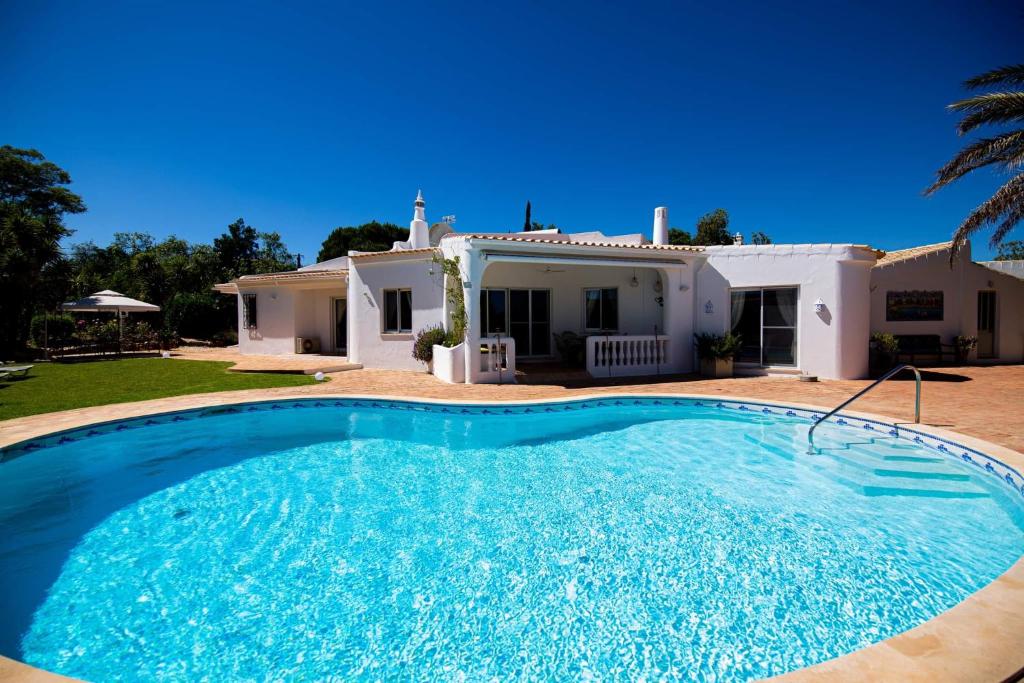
716, 368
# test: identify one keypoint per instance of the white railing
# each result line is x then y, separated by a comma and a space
497, 360
625, 355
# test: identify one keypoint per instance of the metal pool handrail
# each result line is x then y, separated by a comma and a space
895, 371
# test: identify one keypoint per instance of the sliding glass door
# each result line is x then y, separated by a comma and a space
766, 321
523, 314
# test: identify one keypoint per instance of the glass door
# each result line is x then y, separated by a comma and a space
765, 320
986, 324
523, 314
540, 322
340, 325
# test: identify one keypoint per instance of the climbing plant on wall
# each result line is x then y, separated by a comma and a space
456, 298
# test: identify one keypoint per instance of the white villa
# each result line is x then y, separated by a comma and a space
800, 308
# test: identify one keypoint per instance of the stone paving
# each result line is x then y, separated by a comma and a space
306, 363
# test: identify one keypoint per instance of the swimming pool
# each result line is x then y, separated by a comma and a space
619, 537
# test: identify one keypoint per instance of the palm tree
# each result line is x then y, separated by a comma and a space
1005, 151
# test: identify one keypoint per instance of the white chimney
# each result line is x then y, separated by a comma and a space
419, 231
737, 239
661, 225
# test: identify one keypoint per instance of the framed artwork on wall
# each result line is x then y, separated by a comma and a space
913, 305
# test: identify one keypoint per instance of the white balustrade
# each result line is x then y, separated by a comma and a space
497, 360
627, 355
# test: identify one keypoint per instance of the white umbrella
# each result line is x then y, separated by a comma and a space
109, 300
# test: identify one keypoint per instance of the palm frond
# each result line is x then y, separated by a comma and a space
1007, 149
1005, 204
1009, 223
1012, 74
993, 107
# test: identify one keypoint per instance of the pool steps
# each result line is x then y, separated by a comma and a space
869, 472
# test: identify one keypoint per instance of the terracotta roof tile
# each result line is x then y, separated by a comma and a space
912, 253
293, 275
392, 252
541, 240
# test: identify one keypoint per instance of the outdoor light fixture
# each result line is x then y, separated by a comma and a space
819, 306
657, 286
633, 282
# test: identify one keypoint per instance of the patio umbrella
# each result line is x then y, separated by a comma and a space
109, 300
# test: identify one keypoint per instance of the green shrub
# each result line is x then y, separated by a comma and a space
423, 347
885, 342
57, 328
196, 315
965, 345
718, 346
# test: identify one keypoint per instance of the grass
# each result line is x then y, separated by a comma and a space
63, 386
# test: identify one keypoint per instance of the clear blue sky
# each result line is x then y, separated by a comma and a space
813, 122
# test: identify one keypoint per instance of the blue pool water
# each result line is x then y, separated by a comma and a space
613, 539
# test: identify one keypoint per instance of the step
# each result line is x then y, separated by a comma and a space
859, 471
911, 470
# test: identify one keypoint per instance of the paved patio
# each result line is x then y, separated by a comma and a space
306, 363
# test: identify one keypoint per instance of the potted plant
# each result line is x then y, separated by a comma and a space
716, 352
883, 349
423, 346
962, 347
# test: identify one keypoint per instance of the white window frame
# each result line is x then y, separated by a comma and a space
583, 309
384, 310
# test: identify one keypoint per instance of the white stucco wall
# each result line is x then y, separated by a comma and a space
275, 320
284, 313
960, 286
368, 278
830, 344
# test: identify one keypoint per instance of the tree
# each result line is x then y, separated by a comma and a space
33, 203
527, 225
679, 237
1004, 151
372, 236
760, 238
237, 249
1011, 251
713, 228
272, 255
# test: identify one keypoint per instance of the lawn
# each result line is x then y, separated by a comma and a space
62, 386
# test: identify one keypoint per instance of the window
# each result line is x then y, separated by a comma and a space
397, 311
601, 309
249, 311
765, 319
